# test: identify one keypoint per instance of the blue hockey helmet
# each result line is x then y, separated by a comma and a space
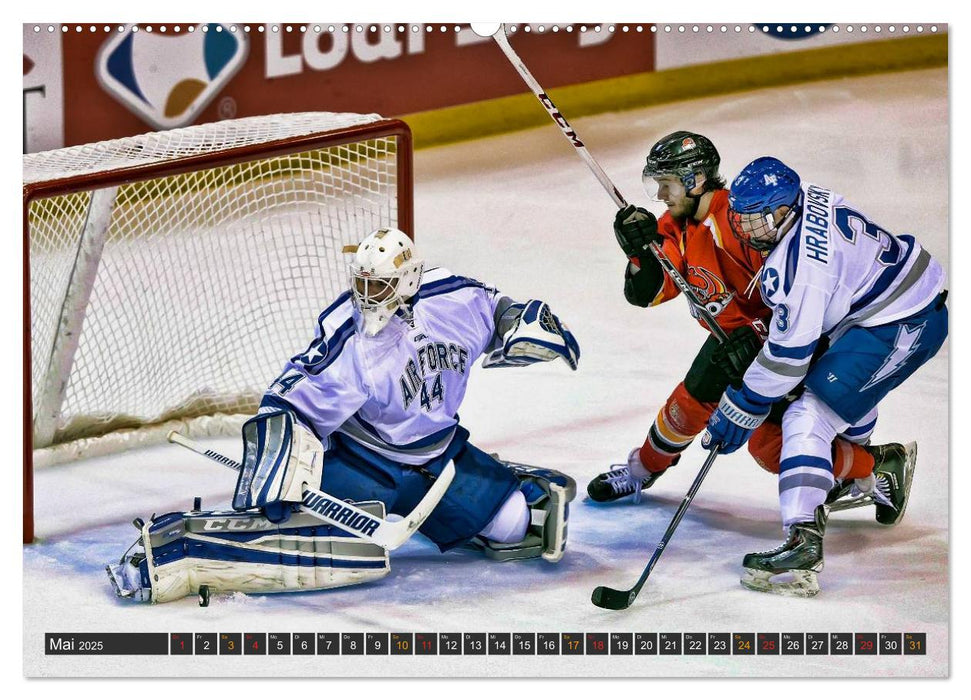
756, 194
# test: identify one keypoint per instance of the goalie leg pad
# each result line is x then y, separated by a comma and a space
548, 494
233, 551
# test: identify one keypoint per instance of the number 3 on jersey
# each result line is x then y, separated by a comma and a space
851, 222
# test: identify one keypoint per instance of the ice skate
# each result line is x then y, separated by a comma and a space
129, 575
893, 474
888, 487
618, 482
801, 557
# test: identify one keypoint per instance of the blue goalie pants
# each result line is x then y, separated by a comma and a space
480, 487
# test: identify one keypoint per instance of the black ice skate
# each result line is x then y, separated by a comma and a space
801, 556
618, 482
888, 487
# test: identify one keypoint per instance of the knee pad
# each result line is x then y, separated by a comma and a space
548, 493
228, 551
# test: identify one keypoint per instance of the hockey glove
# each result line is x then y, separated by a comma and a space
636, 229
538, 336
733, 421
735, 355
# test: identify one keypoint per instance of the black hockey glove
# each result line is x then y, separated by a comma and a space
636, 229
735, 355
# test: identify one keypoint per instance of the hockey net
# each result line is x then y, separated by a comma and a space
170, 275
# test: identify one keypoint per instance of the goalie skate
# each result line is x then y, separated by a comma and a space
800, 558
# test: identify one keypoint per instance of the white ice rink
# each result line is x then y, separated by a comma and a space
521, 211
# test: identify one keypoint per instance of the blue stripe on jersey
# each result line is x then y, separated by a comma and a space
886, 278
448, 284
333, 307
859, 430
417, 444
792, 258
330, 352
795, 353
805, 461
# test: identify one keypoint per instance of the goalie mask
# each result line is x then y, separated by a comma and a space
385, 273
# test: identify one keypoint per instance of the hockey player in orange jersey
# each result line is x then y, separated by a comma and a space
682, 171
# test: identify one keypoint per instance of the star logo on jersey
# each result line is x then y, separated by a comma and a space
770, 282
906, 343
312, 355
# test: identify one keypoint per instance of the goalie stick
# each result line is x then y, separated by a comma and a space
571, 135
611, 598
334, 511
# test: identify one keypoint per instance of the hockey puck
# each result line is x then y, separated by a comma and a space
203, 596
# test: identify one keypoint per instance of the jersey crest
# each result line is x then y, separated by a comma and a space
710, 289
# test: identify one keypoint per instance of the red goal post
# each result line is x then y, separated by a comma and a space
168, 276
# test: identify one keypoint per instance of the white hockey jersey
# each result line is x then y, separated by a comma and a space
397, 392
836, 269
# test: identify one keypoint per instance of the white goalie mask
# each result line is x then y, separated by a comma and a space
385, 273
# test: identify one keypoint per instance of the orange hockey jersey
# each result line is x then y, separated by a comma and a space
722, 271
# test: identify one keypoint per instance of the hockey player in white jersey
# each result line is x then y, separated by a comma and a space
878, 300
368, 412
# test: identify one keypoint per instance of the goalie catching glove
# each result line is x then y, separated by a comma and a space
536, 336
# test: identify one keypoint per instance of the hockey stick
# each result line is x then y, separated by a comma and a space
611, 598
608, 185
334, 511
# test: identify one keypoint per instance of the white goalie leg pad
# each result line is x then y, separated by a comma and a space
232, 551
280, 455
548, 493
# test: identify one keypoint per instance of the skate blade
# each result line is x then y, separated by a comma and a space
116, 577
849, 503
910, 465
804, 584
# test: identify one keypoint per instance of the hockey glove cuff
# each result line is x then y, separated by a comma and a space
733, 421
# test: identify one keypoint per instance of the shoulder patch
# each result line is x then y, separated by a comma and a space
771, 285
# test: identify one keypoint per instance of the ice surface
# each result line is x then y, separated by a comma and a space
521, 211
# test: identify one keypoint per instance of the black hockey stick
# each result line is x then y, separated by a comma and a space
611, 598
571, 135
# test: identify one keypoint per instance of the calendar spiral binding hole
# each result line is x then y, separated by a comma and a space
692, 29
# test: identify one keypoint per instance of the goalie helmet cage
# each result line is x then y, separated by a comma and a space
168, 276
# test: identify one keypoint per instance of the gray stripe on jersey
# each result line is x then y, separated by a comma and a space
781, 368
913, 276
406, 456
